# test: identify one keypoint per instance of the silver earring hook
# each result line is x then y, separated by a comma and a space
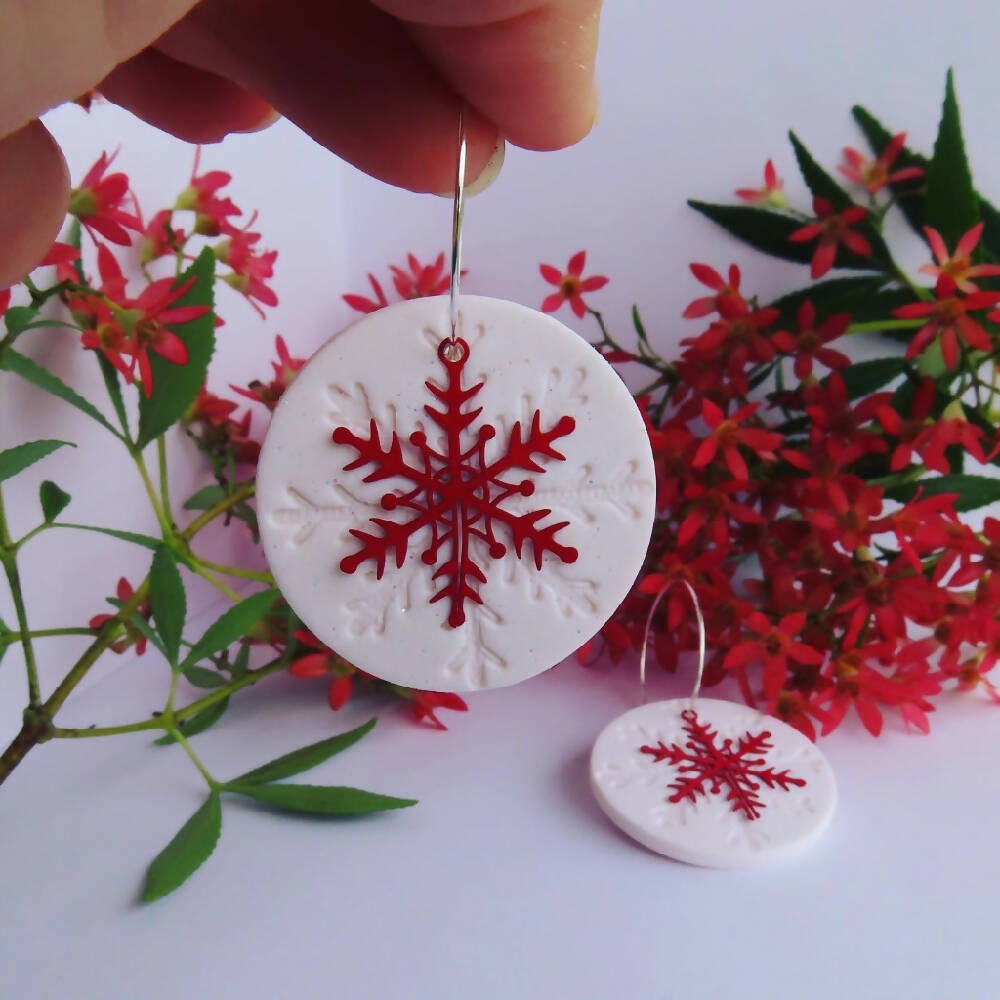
699, 617
457, 221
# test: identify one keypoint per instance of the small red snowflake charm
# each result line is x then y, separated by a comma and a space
456, 492
705, 767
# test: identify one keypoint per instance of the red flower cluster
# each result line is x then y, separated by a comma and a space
821, 594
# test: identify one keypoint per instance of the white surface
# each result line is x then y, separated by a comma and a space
780, 817
314, 502
506, 880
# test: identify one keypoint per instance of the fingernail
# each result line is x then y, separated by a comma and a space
487, 175
267, 119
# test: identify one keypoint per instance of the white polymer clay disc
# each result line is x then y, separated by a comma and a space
410, 543
712, 783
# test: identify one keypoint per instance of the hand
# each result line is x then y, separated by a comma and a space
379, 83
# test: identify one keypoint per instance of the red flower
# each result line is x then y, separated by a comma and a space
285, 370
132, 636
846, 512
4, 300
320, 663
958, 266
209, 409
928, 437
425, 704
948, 318
924, 525
875, 174
362, 305
773, 645
771, 194
571, 284
59, 254
737, 335
833, 229
159, 238
812, 340
250, 267
727, 436
423, 280
97, 203
212, 213
712, 509
830, 410
725, 291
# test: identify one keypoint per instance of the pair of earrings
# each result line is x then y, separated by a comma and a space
472, 531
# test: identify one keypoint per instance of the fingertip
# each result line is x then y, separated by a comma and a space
34, 193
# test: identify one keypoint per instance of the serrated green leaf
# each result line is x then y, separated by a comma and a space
321, 800
198, 722
866, 377
770, 231
831, 296
973, 491
146, 541
186, 853
175, 387
909, 193
31, 371
17, 319
203, 678
304, 758
819, 182
112, 383
53, 500
232, 625
952, 205
20, 457
168, 601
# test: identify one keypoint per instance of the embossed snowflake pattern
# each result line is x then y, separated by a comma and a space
455, 491
705, 767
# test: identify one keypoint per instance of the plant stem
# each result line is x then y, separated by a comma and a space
218, 584
8, 556
247, 680
234, 498
878, 325
261, 576
44, 633
189, 750
161, 517
161, 458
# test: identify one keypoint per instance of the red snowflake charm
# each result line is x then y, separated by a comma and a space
738, 770
457, 493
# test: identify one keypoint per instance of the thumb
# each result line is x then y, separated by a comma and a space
52, 51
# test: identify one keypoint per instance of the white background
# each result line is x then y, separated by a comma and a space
505, 880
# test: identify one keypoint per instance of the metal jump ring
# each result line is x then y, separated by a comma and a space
664, 590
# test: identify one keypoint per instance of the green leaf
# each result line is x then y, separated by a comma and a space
832, 296
952, 203
168, 601
111, 382
4, 630
17, 319
866, 377
207, 496
146, 541
770, 231
175, 387
20, 457
909, 193
321, 799
21, 364
241, 661
53, 500
200, 677
186, 853
304, 758
817, 179
198, 722
973, 491
232, 625
141, 625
